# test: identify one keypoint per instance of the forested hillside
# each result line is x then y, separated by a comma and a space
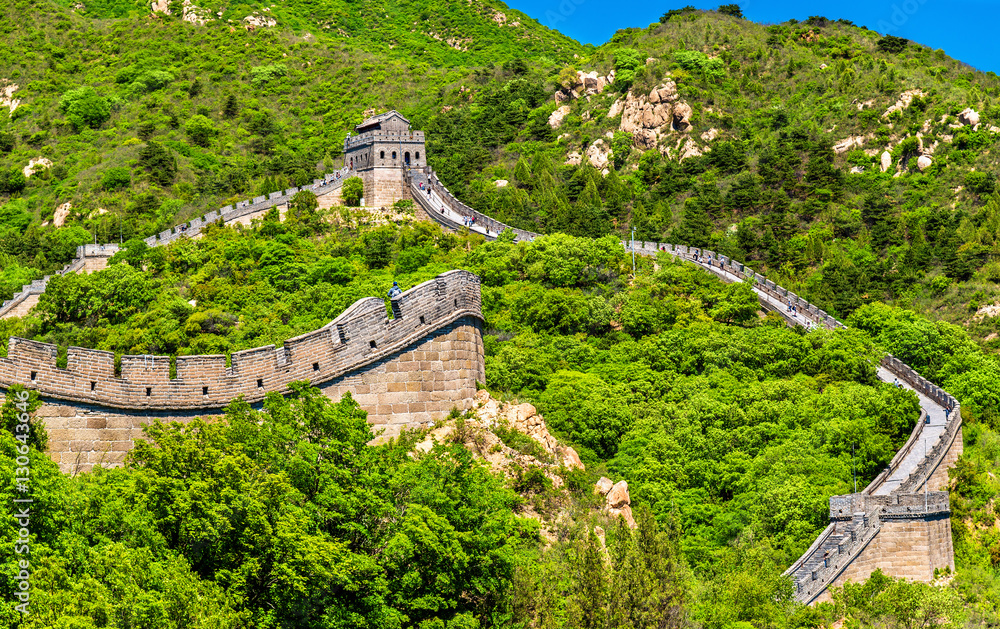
765, 143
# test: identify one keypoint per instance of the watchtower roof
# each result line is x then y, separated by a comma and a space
376, 122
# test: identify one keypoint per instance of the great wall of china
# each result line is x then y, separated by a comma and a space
414, 367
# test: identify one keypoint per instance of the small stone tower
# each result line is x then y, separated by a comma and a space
384, 147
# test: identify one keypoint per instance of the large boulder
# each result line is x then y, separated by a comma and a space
924, 162
571, 459
682, 116
556, 119
885, 160
36, 164
618, 496
598, 154
603, 486
969, 116
61, 214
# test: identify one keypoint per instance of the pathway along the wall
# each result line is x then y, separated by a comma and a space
890, 524
94, 257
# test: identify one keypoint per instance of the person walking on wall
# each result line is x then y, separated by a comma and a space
395, 291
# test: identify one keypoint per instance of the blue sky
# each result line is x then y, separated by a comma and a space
965, 30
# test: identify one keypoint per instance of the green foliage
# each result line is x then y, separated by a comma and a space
156, 160
83, 107
200, 130
892, 44
732, 10
712, 69
117, 178
628, 61
352, 191
263, 75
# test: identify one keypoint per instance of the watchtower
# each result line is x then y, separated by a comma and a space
384, 147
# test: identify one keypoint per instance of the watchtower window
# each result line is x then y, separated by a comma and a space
149, 391
406, 157
260, 383
372, 344
381, 154
418, 154
34, 375
394, 155
93, 385
204, 390
315, 366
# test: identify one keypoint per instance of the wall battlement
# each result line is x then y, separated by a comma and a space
406, 371
361, 335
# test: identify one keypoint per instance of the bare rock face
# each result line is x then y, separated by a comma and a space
904, 101
574, 159
199, 16
886, 160
624, 512
586, 84
968, 116
603, 486
649, 117
501, 183
682, 117
525, 419
598, 154
616, 108
617, 500
690, 149
61, 214
710, 135
258, 20
570, 458
556, 119
36, 164
851, 142
7, 99
618, 496
924, 162
161, 6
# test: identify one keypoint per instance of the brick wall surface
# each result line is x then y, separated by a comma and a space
911, 549
405, 371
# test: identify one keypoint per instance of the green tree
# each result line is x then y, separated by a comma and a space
158, 162
117, 178
83, 107
352, 191
731, 9
200, 130
377, 246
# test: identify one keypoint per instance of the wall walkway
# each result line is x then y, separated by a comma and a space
890, 524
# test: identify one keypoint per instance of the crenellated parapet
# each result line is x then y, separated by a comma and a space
361, 335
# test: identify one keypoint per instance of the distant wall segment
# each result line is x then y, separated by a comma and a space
405, 371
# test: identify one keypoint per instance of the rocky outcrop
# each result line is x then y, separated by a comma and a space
525, 419
36, 164
557, 116
710, 135
617, 502
258, 20
7, 99
924, 162
501, 183
586, 84
851, 142
969, 116
61, 214
885, 160
650, 117
574, 159
599, 154
197, 15
904, 101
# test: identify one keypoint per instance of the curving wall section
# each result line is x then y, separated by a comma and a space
94, 257
900, 523
405, 371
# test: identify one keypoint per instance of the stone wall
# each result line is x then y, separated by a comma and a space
907, 548
405, 371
